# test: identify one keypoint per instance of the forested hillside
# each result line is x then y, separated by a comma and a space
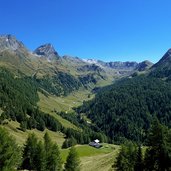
125, 109
18, 101
59, 84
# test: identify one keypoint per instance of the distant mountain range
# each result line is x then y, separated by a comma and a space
47, 51
44, 63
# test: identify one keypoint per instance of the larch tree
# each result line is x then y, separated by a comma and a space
30, 153
52, 155
73, 161
157, 157
139, 160
10, 153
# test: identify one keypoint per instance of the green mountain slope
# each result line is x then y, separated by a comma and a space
125, 109
18, 101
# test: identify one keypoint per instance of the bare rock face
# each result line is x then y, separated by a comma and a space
162, 69
47, 51
165, 60
142, 66
122, 65
10, 42
129, 65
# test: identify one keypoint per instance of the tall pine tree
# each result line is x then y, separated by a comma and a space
52, 155
156, 157
73, 161
10, 153
41, 156
30, 153
127, 157
139, 160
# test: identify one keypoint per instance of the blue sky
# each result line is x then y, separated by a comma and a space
109, 30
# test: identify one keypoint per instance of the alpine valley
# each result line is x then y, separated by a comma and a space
76, 101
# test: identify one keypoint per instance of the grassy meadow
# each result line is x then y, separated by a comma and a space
51, 103
20, 136
95, 159
91, 158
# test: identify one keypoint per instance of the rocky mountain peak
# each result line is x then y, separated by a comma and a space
142, 66
47, 51
165, 60
122, 65
162, 69
167, 56
10, 42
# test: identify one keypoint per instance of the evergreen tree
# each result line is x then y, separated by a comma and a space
40, 157
73, 161
121, 163
72, 141
23, 125
69, 142
10, 153
139, 160
157, 157
168, 144
52, 155
65, 144
55, 159
30, 153
41, 125
126, 158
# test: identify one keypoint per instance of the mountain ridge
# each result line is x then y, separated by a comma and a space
162, 69
48, 52
11, 43
49, 68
